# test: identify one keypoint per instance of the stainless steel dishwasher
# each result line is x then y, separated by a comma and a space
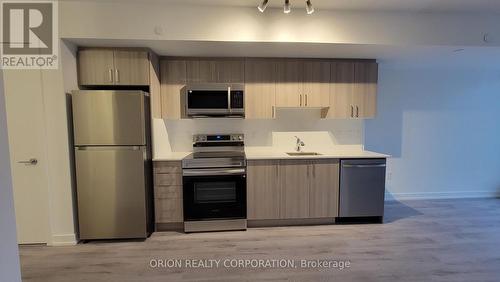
362, 189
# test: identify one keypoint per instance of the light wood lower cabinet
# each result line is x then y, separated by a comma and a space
324, 188
263, 189
168, 192
294, 184
292, 189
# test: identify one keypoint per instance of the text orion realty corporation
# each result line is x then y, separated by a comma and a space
249, 263
29, 35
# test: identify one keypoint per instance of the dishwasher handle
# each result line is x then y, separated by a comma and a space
364, 166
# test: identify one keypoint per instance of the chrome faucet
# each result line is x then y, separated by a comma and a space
299, 144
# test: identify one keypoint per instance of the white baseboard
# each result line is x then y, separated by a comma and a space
63, 240
440, 195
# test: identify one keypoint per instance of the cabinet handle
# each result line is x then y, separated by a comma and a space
110, 73
357, 111
273, 112
117, 75
352, 111
306, 100
300, 100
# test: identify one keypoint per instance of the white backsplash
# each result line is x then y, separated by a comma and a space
278, 134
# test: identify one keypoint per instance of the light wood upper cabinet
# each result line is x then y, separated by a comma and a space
324, 188
316, 83
365, 89
289, 83
263, 189
353, 91
131, 67
113, 67
96, 67
215, 71
173, 82
260, 89
294, 182
303, 83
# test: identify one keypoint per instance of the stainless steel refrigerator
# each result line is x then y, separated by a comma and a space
113, 164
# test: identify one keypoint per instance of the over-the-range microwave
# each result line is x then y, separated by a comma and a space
215, 100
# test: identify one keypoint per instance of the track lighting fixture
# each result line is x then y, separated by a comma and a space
287, 7
309, 7
262, 7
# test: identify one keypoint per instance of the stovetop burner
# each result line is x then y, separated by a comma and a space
216, 151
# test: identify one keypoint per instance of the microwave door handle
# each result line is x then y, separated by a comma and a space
229, 98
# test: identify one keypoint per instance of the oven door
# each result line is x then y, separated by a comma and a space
214, 194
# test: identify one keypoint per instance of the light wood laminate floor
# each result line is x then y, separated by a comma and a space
432, 240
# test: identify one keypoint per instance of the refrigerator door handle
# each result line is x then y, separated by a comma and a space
107, 148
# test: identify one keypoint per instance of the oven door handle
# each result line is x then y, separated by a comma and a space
213, 172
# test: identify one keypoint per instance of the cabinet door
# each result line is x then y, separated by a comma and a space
263, 190
201, 71
324, 188
95, 67
365, 90
131, 67
260, 89
173, 81
316, 83
289, 84
341, 90
230, 71
294, 182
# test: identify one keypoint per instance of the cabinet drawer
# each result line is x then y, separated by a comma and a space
167, 167
168, 179
168, 192
168, 210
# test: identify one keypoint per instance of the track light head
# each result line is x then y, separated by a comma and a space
287, 8
309, 7
262, 7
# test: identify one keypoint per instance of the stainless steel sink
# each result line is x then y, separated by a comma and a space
303, 154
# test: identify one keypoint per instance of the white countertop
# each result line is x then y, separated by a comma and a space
269, 154
172, 156
331, 154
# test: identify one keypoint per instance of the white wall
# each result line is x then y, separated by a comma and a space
442, 128
100, 19
9, 255
177, 135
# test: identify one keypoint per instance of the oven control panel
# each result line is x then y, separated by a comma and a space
218, 137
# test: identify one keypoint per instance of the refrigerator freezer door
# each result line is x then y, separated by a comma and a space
109, 118
111, 192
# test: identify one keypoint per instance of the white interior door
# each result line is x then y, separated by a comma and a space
26, 129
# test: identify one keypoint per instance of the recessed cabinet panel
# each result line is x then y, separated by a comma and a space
215, 71
173, 81
95, 67
263, 189
260, 89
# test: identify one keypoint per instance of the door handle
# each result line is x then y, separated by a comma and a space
306, 100
110, 72
357, 111
352, 111
300, 100
117, 75
31, 161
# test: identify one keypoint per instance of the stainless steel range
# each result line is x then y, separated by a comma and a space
214, 184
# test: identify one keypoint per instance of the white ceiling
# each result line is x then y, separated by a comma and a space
479, 6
